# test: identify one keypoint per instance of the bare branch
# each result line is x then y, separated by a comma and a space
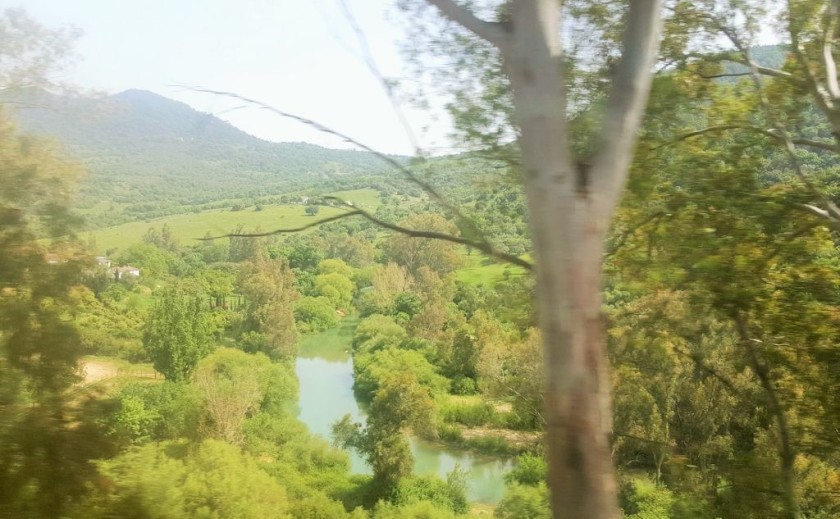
772, 133
283, 231
482, 246
466, 222
767, 71
628, 97
377, 73
779, 128
819, 94
644, 440
727, 56
493, 32
716, 76
701, 364
622, 238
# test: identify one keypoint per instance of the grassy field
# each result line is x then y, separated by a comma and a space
479, 270
367, 199
188, 228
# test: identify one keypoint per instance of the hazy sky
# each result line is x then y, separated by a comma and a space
301, 56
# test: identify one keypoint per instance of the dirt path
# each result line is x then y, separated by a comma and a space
94, 371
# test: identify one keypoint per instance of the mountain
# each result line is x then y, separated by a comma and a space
148, 155
772, 56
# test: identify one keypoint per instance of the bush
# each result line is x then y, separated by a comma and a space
524, 501
315, 314
471, 415
450, 433
154, 412
491, 445
462, 385
529, 470
642, 499
449, 494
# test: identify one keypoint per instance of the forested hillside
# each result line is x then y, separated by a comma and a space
148, 156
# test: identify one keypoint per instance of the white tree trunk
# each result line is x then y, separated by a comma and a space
570, 212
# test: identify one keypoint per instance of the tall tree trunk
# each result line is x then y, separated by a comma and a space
578, 408
570, 211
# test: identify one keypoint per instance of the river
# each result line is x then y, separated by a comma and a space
325, 370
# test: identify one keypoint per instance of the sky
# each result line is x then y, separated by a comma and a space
300, 56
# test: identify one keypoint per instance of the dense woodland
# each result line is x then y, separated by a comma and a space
721, 304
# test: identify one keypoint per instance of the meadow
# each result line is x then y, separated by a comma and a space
188, 228
479, 270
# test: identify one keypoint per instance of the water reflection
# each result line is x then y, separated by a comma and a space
325, 373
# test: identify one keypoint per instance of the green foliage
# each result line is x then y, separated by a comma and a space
406, 306
447, 495
235, 385
155, 412
45, 444
206, 480
417, 510
153, 261
471, 414
462, 385
399, 402
524, 501
335, 266
177, 334
315, 314
643, 500
143, 151
108, 324
335, 287
439, 256
529, 470
370, 371
268, 286
377, 332
302, 254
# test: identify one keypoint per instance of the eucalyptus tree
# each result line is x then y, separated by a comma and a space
570, 202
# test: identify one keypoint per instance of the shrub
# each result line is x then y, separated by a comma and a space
462, 385
471, 415
524, 501
315, 314
529, 470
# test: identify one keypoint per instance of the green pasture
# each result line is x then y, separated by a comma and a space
367, 199
478, 269
187, 228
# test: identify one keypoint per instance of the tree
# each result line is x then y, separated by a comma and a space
315, 314
268, 286
412, 253
335, 287
236, 385
570, 205
31, 53
312, 210
213, 479
400, 401
177, 334
45, 445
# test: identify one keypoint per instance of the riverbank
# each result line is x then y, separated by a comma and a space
325, 372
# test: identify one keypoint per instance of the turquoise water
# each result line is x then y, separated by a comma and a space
326, 395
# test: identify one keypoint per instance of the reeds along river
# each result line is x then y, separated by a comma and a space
325, 373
